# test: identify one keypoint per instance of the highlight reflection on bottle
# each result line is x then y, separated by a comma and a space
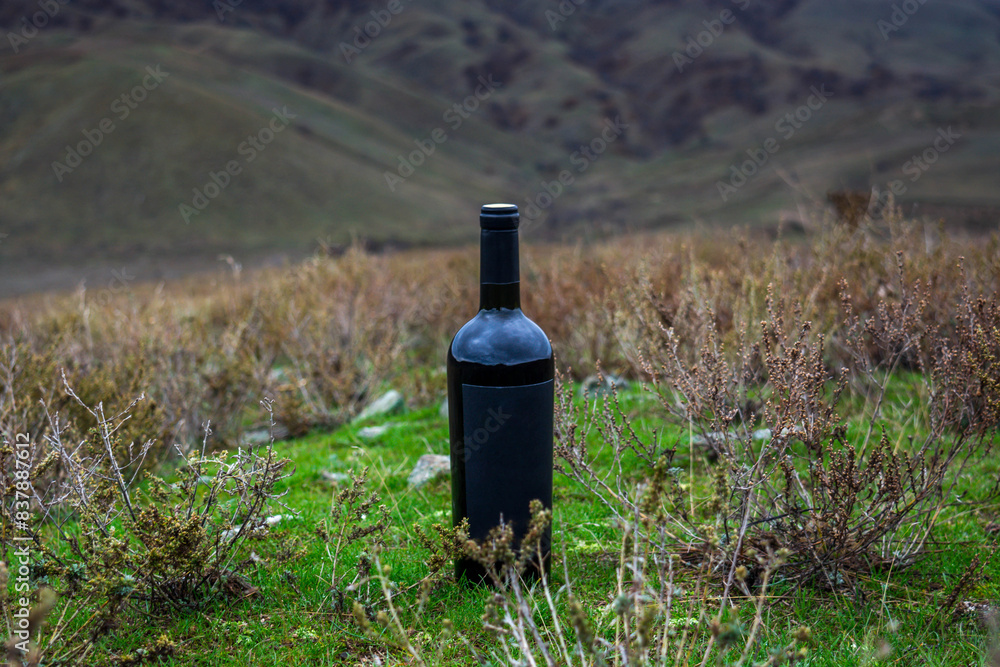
500, 398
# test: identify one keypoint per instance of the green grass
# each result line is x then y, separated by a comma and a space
295, 619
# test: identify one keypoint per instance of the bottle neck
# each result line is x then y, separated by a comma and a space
499, 272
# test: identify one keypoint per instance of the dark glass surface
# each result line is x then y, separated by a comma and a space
499, 347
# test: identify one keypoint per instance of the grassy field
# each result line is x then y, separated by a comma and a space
859, 530
293, 616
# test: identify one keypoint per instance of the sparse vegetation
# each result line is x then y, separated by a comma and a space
800, 472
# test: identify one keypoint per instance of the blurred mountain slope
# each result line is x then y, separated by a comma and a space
563, 72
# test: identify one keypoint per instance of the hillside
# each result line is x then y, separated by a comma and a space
688, 115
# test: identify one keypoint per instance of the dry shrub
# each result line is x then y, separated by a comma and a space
188, 372
319, 338
786, 385
336, 331
115, 539
810, 339
650, 616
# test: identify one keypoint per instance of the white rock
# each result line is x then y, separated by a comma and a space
712, 439
386, 404
429, 467
269, 521
715, 438
278, 376
601, 386
796, 431
262, 436
374, 432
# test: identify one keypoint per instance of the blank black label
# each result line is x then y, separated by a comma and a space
508, 454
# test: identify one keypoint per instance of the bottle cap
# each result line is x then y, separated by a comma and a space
499, 217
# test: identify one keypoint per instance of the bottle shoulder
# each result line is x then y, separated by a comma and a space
500, 336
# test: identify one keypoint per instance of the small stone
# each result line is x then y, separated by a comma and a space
430, 466
388, 403
334, 477
266, 523
715, 440
712, 439
796, 431
444, 409
262, 436
278, 376
594, 386
370, 433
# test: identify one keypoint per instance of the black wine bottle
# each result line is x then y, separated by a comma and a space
500, 398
